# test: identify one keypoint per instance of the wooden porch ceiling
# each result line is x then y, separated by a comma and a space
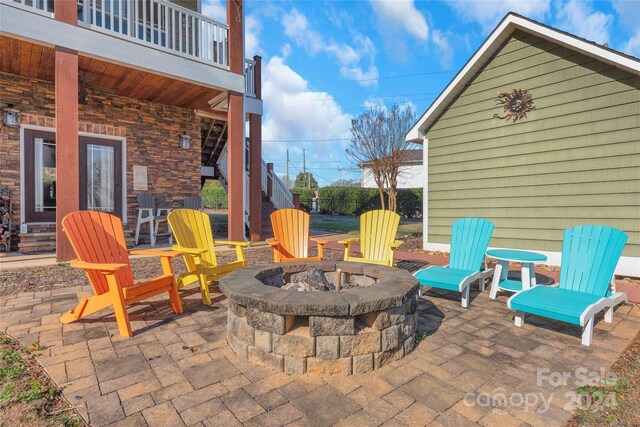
37, 61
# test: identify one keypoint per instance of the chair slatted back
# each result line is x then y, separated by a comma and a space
192, 229
192, 202
378, 229
469, 241
590, 254
291, 230
146, 201
97, 237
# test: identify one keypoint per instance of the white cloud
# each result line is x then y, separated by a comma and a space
252, 28
294, 112
402, 14
579, 18
489, 13
348, 57
632, 47
441, 42
628, 14
285, 51
214, 9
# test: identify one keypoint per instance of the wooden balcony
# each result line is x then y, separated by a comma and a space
157, 23
149, 49
37, 61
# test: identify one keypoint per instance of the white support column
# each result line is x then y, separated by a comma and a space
425, 193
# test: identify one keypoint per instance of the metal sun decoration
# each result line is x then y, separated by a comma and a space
516, 104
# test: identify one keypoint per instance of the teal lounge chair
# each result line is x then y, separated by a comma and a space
469, 241
590, 254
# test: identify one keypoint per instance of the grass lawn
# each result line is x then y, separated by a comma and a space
338, 224
615, 402
27, 396
351, 224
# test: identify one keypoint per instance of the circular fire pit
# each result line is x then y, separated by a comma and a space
321, 318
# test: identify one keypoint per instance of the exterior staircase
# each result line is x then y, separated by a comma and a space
267, 210
42, 239
37, 242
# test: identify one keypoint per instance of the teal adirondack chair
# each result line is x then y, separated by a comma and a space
590, 254
469, 241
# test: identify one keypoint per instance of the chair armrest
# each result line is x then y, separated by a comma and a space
396, 244
272, 242
107, 268
155, 252
319, 240
231, 242
348, 241
188, 251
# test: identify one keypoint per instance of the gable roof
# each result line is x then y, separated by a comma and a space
510, 23
409, 157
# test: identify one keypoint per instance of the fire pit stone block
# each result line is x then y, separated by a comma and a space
369, 323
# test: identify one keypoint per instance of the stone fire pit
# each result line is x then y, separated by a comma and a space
292, 318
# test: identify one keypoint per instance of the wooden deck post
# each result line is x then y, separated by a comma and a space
235, 127
67, 150
255, 177
255, 162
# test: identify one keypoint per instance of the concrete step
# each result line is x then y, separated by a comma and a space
37, 247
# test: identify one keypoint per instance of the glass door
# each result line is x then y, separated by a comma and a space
40, 176
102, 162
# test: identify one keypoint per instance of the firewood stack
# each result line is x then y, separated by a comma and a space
5, 217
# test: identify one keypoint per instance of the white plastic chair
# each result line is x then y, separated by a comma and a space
148, 213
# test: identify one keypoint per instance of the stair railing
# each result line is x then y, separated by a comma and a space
223, 164
281, 197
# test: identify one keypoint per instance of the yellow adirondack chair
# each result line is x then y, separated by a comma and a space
291, 236
194, 237
98, 241
378, 229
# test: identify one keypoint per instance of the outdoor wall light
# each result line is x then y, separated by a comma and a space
10, 115
185, 141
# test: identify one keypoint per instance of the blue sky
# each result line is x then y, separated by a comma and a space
325, 62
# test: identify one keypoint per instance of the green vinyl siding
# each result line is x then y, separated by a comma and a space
574, 160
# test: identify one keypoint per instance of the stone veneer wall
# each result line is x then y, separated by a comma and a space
151, 130
381, 329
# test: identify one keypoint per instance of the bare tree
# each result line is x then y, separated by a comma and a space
378, 140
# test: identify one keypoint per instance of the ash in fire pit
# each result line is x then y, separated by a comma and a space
314, 280
308, 280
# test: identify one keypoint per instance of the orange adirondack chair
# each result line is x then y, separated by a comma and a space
98, 241
291, 236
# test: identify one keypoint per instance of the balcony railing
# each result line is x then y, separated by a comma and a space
250, 77
159, 23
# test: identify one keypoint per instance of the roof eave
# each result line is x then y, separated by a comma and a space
510, 23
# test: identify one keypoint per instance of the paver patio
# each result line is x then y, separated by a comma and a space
179, 370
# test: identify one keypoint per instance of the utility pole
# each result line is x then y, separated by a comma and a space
287, 168
304, 166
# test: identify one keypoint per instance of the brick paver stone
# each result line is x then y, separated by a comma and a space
210, 372
163, 415
104, 410
325, 406
243, 406
182, 371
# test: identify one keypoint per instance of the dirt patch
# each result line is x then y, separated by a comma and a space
28, 397
411, 244
616, 402
33, 279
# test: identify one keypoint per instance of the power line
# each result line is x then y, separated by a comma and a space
399, 76
306, 140
369, 97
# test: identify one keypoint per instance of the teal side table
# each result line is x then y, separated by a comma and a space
528, 260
